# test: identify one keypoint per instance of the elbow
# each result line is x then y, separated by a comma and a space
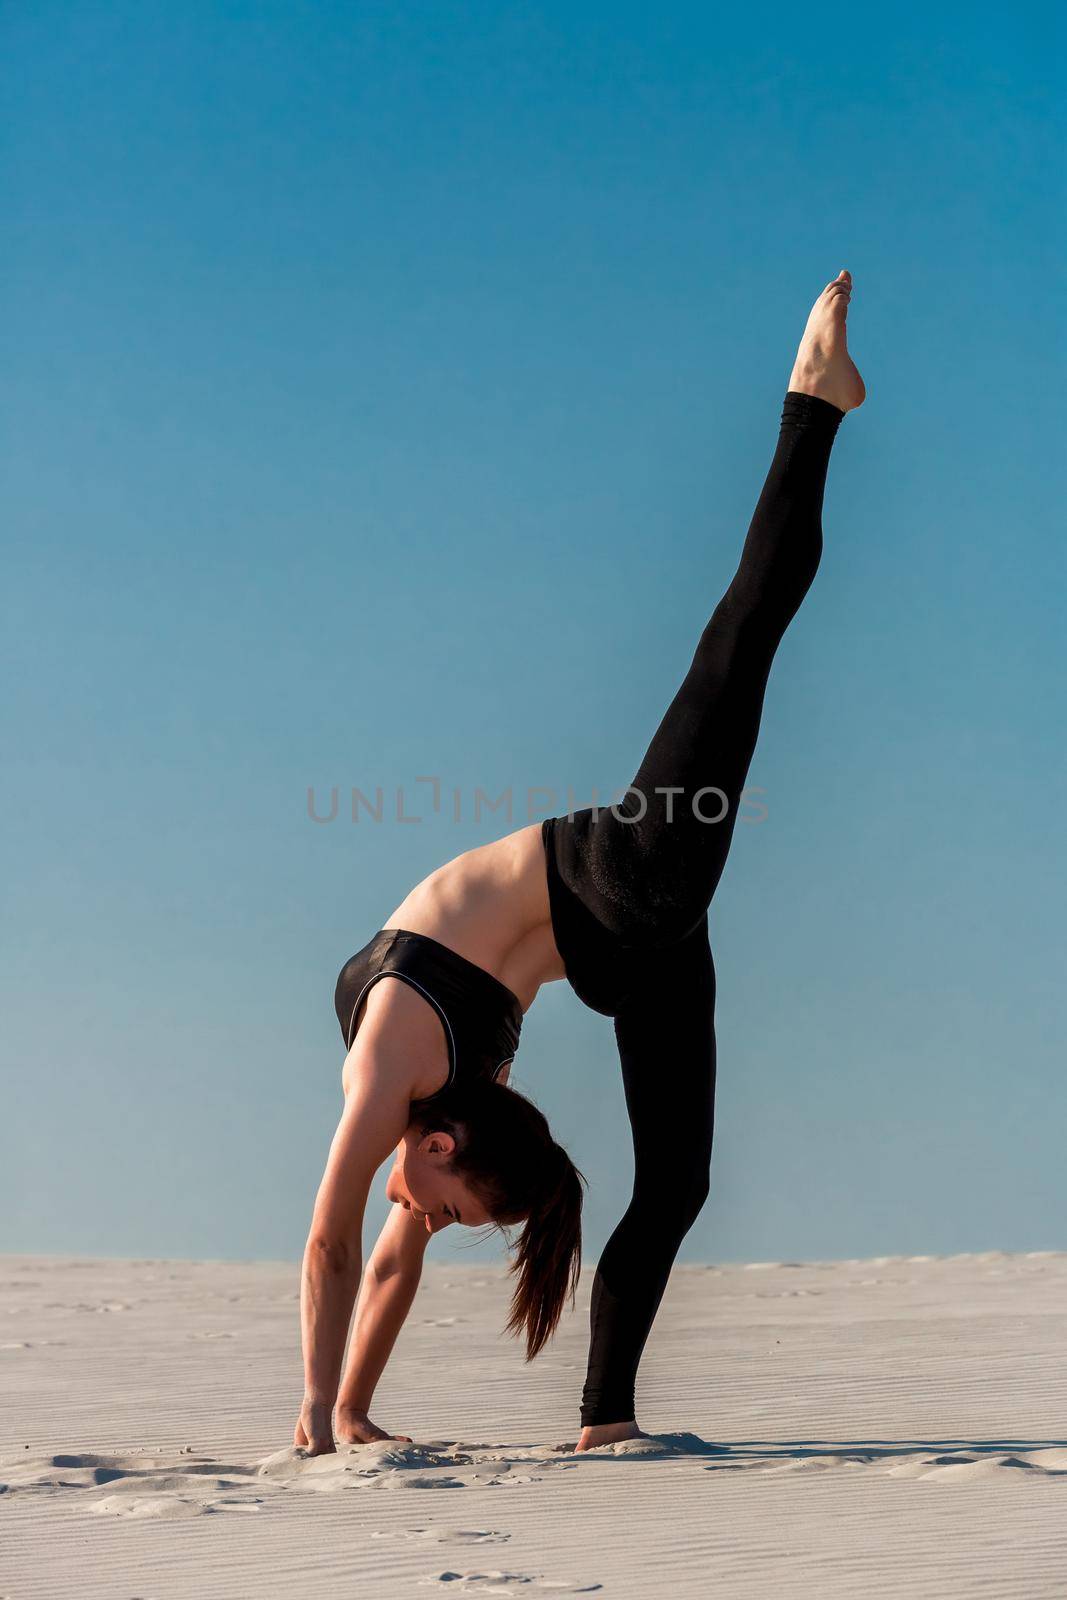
328, 1255
391, 1269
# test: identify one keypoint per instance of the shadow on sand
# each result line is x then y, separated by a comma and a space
770, 1453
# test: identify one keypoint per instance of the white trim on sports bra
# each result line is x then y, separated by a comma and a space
406, 978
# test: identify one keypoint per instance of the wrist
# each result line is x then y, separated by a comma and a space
351, 1403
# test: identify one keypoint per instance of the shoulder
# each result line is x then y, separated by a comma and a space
400, 1042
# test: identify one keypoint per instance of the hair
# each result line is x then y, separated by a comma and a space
506, 1155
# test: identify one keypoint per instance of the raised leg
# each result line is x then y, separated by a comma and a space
648, 868
651, 866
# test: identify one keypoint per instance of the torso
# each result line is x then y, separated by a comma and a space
489, 905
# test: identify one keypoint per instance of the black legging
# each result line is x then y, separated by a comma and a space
647, 874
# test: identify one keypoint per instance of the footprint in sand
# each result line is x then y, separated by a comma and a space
507, 1583
105, 1307
786, 1294
444, 1535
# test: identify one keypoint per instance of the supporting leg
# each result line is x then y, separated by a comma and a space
666, 1039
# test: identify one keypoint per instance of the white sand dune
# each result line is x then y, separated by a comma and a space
894, 1427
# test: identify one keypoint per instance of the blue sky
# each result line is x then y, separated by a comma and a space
387, 393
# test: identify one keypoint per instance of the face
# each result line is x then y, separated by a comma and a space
421, 1182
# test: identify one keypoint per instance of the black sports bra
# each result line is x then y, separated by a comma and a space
481, 1017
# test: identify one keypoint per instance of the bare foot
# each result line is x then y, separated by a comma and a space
608, 1433
823, 366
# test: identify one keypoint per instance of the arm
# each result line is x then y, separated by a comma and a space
373, 1122
385, 1298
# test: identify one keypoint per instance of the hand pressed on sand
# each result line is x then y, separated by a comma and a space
313, 1431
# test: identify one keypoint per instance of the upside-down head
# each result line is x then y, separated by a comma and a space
485, 1154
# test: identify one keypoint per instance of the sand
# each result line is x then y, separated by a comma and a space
894, 1428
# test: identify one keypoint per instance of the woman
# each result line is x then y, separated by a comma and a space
615, 901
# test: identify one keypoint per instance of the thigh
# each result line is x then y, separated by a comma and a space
669, 840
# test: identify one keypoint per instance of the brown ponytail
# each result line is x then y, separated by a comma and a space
506, 1154
548, 1258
